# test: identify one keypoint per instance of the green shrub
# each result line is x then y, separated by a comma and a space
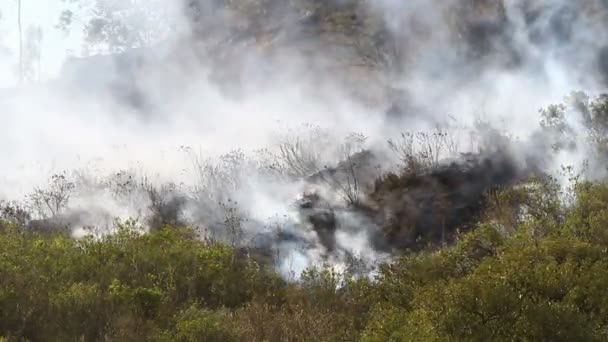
544, 279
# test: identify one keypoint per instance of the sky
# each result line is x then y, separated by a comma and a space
55, 46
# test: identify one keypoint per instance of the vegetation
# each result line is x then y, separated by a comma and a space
518, 258
541, 279
532, 263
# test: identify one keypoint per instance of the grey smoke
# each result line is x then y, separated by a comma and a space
220, 89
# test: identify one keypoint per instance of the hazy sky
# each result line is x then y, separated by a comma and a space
56, 45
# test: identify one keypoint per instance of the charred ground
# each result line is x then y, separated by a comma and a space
410, 211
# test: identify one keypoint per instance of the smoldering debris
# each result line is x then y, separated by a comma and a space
351, 176
391, 212
321, 216
411, 210
407, 211
430, 207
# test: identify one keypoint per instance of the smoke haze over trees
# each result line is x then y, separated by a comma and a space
275, 170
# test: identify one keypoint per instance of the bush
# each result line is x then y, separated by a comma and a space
57, 286
196, 324
492, 284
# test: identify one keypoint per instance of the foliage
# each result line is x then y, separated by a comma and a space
581, 122
542, 279
125, 286
117, 25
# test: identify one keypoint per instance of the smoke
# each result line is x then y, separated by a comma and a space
226, 124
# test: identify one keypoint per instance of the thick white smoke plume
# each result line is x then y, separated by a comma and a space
224, 121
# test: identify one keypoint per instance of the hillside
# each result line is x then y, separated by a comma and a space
308, 170
544, 279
